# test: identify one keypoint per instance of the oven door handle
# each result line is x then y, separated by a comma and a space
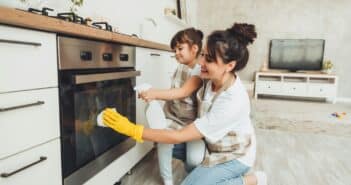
81, 79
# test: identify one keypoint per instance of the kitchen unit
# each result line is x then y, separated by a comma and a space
29, 114
30, 98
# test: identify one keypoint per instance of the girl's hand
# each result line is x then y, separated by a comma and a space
148, 95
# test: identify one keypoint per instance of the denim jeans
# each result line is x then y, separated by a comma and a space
190, 153
229, 173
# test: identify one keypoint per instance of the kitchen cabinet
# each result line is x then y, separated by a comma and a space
28, 59
28, 118
29, 108
40, 165
157, 68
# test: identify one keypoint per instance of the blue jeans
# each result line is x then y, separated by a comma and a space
229, 173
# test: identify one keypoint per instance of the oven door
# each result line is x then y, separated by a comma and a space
87, 148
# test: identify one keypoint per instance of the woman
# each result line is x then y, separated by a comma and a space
223, 115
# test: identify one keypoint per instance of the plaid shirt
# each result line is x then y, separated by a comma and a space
231, 146
182, 111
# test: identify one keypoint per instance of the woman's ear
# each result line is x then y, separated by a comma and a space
230, 66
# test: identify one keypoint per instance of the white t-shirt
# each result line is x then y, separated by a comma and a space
229, 112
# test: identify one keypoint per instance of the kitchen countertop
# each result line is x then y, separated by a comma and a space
14, 17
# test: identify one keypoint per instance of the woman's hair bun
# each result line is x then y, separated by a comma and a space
246, 33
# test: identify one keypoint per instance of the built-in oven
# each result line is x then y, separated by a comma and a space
93, 75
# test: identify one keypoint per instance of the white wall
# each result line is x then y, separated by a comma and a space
324, 19
129, 16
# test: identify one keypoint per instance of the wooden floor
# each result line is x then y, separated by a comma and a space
289, 156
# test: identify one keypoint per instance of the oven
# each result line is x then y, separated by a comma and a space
93, 75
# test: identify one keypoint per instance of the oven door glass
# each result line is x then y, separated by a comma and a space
82, 140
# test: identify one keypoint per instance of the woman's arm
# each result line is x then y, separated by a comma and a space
188, 133
191, 85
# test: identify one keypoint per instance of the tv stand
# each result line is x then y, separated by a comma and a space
289, 84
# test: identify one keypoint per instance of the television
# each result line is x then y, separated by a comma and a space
296, 54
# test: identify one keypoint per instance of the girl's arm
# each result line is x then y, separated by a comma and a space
188, 133
191, 85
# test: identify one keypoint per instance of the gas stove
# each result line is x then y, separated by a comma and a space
74, 18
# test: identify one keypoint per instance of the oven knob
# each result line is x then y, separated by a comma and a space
107, 57
86, 55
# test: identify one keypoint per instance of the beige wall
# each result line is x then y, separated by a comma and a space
322, 19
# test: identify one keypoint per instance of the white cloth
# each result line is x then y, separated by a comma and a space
99, 120
229, 112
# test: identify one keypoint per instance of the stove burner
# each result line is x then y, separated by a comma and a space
72, 17
99, 25
43, 11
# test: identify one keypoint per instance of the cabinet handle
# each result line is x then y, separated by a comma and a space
155, 54
22, 106
41, 159
20, 42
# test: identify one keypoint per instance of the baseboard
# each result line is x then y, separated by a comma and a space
343, 100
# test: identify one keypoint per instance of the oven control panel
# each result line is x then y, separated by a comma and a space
76, 53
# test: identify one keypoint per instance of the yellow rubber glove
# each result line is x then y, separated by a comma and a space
122, 125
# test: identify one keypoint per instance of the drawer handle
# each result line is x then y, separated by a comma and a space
41, 159
22, 106
155, 54
20, 42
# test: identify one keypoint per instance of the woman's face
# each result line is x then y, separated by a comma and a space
185, 54
213, 69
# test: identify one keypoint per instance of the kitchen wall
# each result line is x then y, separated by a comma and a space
325, 19
144, 18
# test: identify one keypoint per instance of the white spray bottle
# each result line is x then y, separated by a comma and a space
154, 113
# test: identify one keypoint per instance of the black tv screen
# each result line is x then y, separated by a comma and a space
296, 54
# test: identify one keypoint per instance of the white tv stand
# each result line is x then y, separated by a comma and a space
307, 84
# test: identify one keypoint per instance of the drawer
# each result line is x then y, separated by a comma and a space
33, 124
268, 87
46, 168
295, 89
28, 59
321, 90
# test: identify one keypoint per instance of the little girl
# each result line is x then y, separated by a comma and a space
181, 107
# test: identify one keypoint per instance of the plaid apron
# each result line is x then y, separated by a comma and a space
183, 111
231, 146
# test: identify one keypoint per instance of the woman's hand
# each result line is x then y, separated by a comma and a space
121, 124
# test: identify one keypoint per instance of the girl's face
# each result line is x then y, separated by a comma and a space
213, 69
185, 54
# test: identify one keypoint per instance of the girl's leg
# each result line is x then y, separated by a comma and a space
195, 151
229, 173
164, 152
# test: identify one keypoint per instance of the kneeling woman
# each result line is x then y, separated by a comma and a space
224, 114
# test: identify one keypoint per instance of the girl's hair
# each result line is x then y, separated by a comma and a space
231, 44
190, 36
